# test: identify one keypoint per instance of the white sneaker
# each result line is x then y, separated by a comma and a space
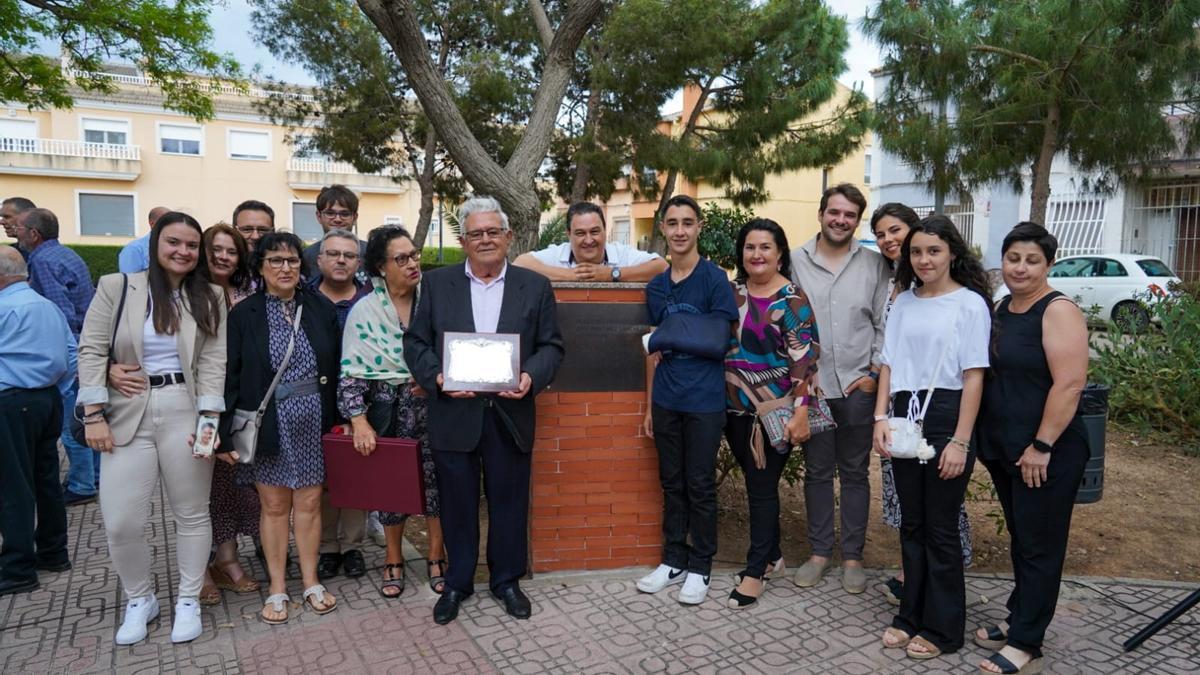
187, 625
138, 613
375, 529
660, 578
694, 590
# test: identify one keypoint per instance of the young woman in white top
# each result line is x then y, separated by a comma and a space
947, 311
169, 324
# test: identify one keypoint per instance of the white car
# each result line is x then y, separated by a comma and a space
1111, 286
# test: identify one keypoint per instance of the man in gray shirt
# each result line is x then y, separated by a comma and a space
847, 286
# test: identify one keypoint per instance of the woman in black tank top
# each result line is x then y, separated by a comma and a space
1032, 441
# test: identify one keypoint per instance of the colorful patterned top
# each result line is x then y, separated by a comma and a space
776, 350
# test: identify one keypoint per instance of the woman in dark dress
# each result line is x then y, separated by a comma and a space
289, 467
1032, 441
378, 395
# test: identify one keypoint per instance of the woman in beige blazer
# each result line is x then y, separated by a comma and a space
171, 325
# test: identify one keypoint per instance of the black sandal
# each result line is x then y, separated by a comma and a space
996, 638
393, 582
436, 583
1033, 665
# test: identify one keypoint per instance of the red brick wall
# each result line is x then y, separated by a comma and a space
596, 500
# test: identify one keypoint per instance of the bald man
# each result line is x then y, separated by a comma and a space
37, 366
135, 256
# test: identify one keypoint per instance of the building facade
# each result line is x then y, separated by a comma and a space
104, 164
1157, 216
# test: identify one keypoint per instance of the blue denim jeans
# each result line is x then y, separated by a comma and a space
83, 463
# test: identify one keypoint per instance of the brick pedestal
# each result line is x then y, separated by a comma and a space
596, 502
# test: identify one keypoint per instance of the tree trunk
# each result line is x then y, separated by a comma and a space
1041, 168
591, 125
425, 182
512, 184
657, 243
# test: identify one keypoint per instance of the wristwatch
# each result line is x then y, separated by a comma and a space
1041, 446
616, 273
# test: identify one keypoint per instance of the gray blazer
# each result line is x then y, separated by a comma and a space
202, 356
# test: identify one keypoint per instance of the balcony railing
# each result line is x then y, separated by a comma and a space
328, 166
215, 87
62, 148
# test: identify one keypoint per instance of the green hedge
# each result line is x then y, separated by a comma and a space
100, 260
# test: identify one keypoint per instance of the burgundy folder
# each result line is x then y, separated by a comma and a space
389, 479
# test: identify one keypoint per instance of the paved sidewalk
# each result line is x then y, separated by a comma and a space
591, 623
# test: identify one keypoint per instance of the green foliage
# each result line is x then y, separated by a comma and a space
555, 232
100, 260
1153, 375
793, 469
167, 39
1006, 70
718, 237
761, 68
450, 256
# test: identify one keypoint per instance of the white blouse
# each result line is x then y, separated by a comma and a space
920, 329
160, 352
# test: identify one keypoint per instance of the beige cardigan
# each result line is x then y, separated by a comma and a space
203, 357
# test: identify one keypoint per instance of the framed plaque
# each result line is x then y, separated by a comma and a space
481, 362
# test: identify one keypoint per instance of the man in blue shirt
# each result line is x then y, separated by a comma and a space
60, 275
37, 365
686, 411
135, 256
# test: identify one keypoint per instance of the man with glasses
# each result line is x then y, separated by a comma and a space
337, 209
253, 219
474, 432
342, 530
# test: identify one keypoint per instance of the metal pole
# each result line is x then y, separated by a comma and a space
441, 233
939, 175
1172, 614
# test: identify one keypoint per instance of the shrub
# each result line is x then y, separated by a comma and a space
554, 232
718, 238
1153, 376
100, 260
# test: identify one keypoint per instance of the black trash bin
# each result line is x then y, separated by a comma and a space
1093, 409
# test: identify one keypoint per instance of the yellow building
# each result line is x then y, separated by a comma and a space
794, 195
104, 164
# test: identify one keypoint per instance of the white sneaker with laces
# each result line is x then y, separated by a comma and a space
694, 590
660, 578
187, 626
138, 613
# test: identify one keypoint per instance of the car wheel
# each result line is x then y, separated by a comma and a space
1130, 317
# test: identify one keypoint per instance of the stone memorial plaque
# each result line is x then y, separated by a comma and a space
603, 341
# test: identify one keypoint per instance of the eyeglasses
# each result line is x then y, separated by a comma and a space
478, 235
404, 258
252, 230
350, 256
335, 214
277, 263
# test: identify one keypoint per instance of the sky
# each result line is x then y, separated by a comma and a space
233, 33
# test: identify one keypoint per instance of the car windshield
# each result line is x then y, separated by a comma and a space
1154, 267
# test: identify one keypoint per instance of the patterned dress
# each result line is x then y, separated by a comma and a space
233, 505
408, 420
891, 500
300, 462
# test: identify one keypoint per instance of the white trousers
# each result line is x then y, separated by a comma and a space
131, 473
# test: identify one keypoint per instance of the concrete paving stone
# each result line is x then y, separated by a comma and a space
594, 623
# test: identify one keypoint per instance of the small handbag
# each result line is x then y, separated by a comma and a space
77, 426
775, 415
245, 424
908, 433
